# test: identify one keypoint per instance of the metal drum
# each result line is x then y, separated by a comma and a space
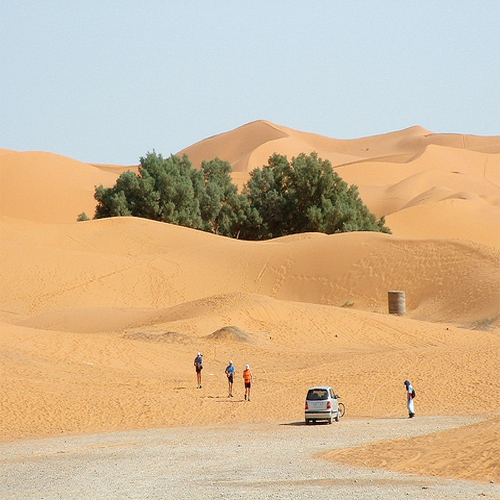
397, 302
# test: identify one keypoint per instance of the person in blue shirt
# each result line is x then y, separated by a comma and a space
198, 364
230, 377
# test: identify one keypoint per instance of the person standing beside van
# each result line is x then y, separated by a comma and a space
410, 395
248, 378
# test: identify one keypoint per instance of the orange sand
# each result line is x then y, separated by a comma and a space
471, 452
100, 320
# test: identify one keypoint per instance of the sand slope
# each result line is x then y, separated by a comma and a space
100, 320
46, 187
128, 262
468, 453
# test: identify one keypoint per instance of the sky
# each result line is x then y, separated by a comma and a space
108, 81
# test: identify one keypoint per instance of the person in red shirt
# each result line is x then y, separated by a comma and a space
248, 377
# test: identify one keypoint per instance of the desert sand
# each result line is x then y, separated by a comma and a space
101, 320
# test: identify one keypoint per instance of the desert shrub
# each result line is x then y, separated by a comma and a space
82, 217
283, 197
170, 190
305, 194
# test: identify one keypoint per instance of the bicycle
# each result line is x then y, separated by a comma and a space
341, 412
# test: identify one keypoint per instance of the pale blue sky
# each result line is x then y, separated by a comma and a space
107, 81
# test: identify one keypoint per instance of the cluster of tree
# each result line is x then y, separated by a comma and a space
281, 198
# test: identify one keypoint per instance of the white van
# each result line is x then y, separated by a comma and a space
322, 404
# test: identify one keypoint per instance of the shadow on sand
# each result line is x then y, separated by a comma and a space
302, 423
294, 424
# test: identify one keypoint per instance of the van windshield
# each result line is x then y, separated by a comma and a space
317, 395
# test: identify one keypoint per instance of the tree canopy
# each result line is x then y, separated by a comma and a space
306, 194
283, 197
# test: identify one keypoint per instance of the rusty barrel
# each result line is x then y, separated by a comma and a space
397, 302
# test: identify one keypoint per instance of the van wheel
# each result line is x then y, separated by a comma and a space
307, 421
330, 420
337, 418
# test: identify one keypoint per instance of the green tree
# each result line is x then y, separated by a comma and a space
283, 197
110, 203
305, 194
266, 194
177, 188
167, 190
170, 190
220, 202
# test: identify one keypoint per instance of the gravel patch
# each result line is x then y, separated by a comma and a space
252, 461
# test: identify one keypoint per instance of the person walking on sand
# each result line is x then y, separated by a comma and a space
248, 377
410, 394
198, 364
230, 377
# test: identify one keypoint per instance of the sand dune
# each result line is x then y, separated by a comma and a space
116, 170
124, 263
266, 138
444, 172
45, 187
392, 171
100, 320
6, 151
470, 219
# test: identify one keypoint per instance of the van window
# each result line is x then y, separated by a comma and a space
317, 395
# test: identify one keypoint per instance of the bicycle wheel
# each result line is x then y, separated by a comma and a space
341, 409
